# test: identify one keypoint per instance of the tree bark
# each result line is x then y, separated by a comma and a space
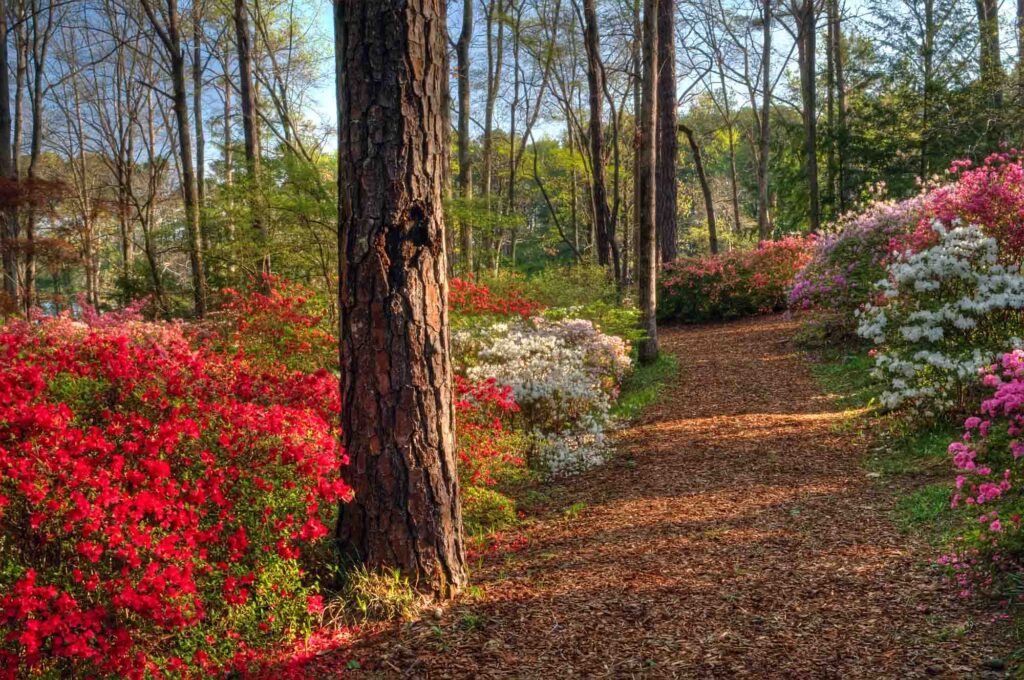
806, 16
647, 255
397, 420
764, 225
250, 130
170, 35
8, 168
465, 159
667, 134
595, 93
705, 188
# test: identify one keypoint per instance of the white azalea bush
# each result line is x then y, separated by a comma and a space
564, 374
941, 316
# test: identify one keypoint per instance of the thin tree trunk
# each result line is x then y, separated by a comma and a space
170, 36
806, 16
705, 188
8, 169
764, 225
250, 130
667, 139
647, 265
398, 416
465, 159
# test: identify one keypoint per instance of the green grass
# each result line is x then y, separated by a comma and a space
643, 386
908, 454
848, 378
927, 510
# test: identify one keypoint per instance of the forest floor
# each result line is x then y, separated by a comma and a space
736, 533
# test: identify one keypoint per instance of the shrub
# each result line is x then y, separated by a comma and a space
155, 500
940, 316
564, 376
485, 510
844, 267
472, 303
990, 195
731, 285
486, 448
275, 322
986, 459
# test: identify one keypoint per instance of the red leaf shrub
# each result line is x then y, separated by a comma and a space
155, 499
480, 408
467, 298
990, 195
732, 285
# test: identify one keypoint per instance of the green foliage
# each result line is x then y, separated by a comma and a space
379, 595
485, 510
643, 386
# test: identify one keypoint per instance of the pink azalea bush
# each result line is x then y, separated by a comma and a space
845, 265
733, 284
990, 195
988, 488
840, 275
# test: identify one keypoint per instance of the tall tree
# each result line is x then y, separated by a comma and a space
667, 133
465, 159
397, 421
804, 32
166, 23
595, 92
250, 128
8, 167
647, 255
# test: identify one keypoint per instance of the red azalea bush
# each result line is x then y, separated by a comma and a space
274, 321
733, 284
155, 500
468, 299
990, 195
481, 409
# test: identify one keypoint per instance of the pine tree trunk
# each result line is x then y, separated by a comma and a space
647, 255
397, 419
667, 134
465, 159
595, 91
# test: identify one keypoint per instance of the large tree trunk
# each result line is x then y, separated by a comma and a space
667, 139
465, 160
647, 255
397, 419
595, 92
806, 15
705, 188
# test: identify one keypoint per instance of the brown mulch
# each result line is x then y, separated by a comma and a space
735, 534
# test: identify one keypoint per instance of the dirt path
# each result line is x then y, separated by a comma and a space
735, 535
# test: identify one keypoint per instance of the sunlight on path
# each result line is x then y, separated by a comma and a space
735, 535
